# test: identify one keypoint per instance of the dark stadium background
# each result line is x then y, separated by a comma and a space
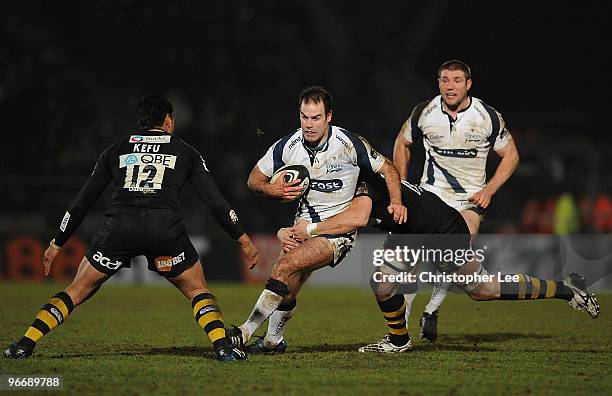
71, 73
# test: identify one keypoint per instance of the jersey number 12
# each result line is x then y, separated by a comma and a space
138, 177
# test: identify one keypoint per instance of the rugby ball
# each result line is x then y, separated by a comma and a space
292, 173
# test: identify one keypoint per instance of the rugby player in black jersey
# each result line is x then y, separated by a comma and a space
438, 226
148, 169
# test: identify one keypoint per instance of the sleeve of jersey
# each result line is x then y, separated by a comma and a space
410, 129
204, 185
91, 190
367, 157
266, 163
503, 137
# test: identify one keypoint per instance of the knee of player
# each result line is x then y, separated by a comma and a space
287, 266
283, 270
383, 290
385, 294
474, 295
479, 294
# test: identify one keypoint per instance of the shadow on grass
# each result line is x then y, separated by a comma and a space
472, 342
447, 342
206, 352
490, 337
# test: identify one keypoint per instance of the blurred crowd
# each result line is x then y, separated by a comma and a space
564, 215
234, 73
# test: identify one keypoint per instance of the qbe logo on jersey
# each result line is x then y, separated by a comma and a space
145, 172
149, 139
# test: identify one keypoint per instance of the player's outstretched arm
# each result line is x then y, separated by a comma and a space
78, 208
356, 216
508, 164
401, 154
260, 184
396, 207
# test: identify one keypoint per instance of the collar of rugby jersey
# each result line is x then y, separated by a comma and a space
322, 146
153, 130
450, 117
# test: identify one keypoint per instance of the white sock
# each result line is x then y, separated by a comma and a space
438, 294
266, 304
276, 327
409, 299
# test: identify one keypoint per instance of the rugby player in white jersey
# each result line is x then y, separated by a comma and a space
431, 224
334, 158
457, 131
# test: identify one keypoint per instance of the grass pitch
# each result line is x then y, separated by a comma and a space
143, 340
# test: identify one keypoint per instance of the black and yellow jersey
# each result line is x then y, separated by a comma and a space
427, 213
148, 171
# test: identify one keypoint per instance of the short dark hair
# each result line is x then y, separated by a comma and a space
152, 109
456, 64
316, 94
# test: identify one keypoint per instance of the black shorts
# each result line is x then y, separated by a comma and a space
158, 234
433, 216
435, 226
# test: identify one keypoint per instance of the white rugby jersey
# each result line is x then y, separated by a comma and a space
456, 150
334, 169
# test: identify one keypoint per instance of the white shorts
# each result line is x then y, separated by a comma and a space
457, 201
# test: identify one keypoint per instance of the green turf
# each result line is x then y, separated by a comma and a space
139, 340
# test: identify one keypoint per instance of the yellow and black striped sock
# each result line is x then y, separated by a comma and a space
394, 311
208, 315
51, 315
529, 288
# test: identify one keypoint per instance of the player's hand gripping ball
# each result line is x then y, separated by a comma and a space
293, 173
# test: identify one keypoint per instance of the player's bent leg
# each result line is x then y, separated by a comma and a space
192, 283
397, 340
409, 290
55, 312
472, 220
477, 290
274, 340
312, 254
438, 295
86, 282
429, 319
393, 307
525, 287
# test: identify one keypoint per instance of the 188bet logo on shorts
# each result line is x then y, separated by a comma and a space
165, 263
